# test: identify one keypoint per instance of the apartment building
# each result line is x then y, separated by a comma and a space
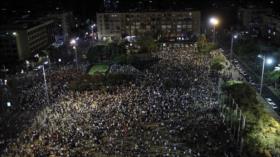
169, 26
20, 40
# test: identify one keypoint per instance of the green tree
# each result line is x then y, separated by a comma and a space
218, 63
107, 52
243, 94
147, 43
202, 41
217, 66
95, 54
275, 76
204, 46
245, 47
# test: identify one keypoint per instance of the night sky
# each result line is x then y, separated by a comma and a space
88, 8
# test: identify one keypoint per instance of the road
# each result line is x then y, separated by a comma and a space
267, 93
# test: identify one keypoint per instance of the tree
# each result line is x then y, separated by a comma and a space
245, 47
238, 90
95, 54
147, 43
275, 76
202, 41
107, 52
218, 63
217, 66
204, 46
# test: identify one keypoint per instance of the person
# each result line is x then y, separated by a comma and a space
169, 111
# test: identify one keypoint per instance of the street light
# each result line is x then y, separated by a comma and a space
49, 62
267, 61
92, 32
235, 36
9, 104
45, 80
214, 22
73, 43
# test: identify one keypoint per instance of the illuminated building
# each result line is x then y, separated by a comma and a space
170, 26
20, 40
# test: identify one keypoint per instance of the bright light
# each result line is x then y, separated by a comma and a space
269, 61
214, 21
14, 33
235, 36
9, 104
59, 60
260, 56
269, 31
46, 62
73, 42
39, 67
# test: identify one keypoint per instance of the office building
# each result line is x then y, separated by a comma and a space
271, 27
169, 26
251, 17
23, 38
64, 24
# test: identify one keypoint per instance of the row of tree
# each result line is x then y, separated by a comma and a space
262, 135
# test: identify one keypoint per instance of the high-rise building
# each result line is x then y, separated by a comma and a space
170, 26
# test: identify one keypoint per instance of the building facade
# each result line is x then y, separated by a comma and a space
262, 21
64, 24
169, 26
271, 27
251, 16
18, 43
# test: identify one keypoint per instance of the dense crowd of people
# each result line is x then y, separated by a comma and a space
171, 111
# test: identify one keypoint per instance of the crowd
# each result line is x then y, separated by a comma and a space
171, 111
